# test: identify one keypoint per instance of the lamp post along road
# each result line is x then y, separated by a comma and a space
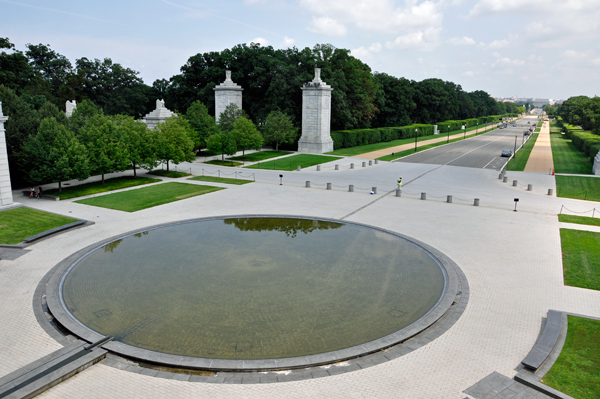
515, 153
448, 131
465, 131
416, 130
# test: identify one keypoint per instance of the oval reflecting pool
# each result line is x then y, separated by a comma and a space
253, 288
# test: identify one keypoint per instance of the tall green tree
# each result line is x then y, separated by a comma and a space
53, 68
85, 111
395, 103
222, 143
55, 154
15, 71
228, 117
141, 143
279, 129
174, 141
203, 124
246, 136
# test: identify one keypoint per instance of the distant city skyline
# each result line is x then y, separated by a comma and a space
508, 48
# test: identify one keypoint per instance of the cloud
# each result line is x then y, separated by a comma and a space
425, 40
260, 40
461, 41
468, 73
362, 52
288, 41
498, 44
596, 61
576, 54
327, 26
536, 6
505, 61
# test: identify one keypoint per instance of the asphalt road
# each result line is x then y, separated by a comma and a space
482, 151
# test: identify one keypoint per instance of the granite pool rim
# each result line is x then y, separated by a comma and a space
57, 308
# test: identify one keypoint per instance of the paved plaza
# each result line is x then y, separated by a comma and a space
512, 261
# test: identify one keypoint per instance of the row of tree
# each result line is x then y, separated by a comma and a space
579, 111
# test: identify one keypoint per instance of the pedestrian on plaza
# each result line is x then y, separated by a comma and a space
32, 192
400, 182
39, 193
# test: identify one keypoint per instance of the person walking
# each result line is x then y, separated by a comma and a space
400, 182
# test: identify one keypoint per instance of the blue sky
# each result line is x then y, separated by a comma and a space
527, 48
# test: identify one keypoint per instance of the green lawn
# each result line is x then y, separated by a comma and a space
567, 158
522, 156
170, 173
147, 197
290, 163
96, 187
578, 187
581, 258
224, 163
576, 372
216, 179
579, 220
362, 149
19, 223
260, 156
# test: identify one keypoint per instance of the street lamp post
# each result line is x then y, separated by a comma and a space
515, 144
448, 131
416, 130
464, 126
477, 128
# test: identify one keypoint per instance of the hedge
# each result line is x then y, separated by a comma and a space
585, 141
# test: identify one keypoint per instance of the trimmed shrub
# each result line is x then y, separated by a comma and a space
585, 141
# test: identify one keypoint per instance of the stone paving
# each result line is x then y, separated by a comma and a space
512, 261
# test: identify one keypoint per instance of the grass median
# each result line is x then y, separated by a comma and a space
581, 258
578, 187
148, 197
522, 156
97, 187
576, 372
567, 158
19, 223
590, 221
259, 156
290, 163
226, 180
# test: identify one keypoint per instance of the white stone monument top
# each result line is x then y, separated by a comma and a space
1, 114
317, 83
70, 107
160, 114
228, 84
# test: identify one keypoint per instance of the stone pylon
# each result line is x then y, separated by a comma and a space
160, 114
316, 116
6, 197
227, 93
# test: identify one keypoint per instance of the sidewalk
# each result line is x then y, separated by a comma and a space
540, 159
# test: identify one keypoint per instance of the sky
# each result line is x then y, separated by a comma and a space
521, 48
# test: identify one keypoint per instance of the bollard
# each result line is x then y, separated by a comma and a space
298, 168
504, 179
307, 184
529, 187
476, 202
398, 192
374, 189
318, 168
449, 199
515, 183
351, 188
500, 176
376, 162
423, 196
370, 163
364, 164
337, 167
328, 186
351, 166
503, 171
550, 191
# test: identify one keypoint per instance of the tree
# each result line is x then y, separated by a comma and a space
228, 117
246, 135
174, 141
279, 129
84, 112
140, 142
203, 124
55, 154
395, 103
105, 145
54, 68
15, 71
222, 143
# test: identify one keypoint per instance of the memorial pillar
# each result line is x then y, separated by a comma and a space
316, 117
6, 197
227, 93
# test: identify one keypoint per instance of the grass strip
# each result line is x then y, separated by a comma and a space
226, 180
591, 221
581, 258
522, 156
578, 187
290, 163
19, 223
170, 173
363, 149
576, 372
260, 156
96, 187
148, 197
567, 158
224, 163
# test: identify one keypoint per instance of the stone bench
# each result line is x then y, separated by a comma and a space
48, 196
54, 230
545, 343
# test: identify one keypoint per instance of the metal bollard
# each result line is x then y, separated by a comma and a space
476, 202
500, 176
423, 196
515, 183
351, 166
318, 168
374, 189
298, 168
529, 187
307, 184
504, 179
337, 167
328, 186
550, 191
370, 163
351, 188
364, 164
449, 199
398, 192
376, 161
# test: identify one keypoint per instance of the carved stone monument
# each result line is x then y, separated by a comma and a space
227, 93
596, 167
160, 114
316, 116
6, 197
70, 107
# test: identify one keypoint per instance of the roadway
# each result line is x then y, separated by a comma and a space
482, 151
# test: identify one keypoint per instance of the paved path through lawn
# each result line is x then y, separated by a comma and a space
540, 159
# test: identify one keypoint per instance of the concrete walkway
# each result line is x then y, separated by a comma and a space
540, 159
